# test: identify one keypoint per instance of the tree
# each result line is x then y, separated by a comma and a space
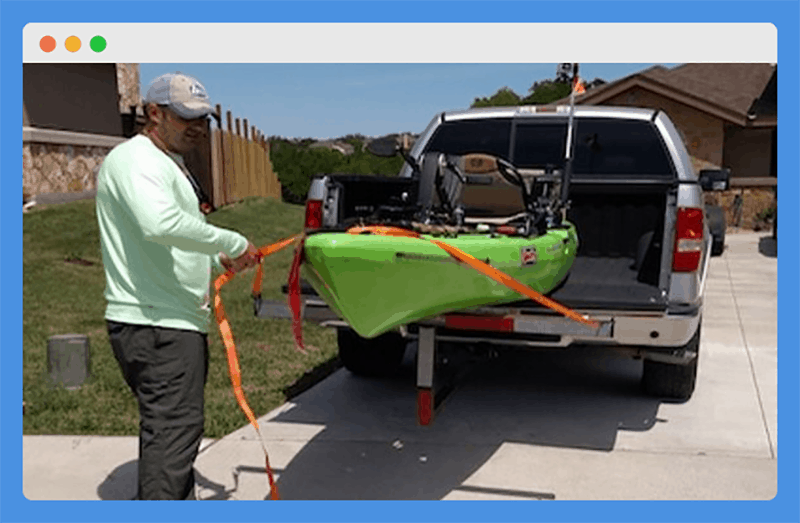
503, 97
296, 164
546, 91
542, 92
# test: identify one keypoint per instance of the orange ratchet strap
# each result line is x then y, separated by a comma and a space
294, 295
383, 230
512, 283
230, 348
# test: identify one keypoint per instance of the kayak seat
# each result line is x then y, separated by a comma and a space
433, 166
486, 197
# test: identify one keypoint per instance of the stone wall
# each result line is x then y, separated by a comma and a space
54, 168
50, 167
753, 201
128, 85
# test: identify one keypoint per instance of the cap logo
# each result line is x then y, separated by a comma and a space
196, 89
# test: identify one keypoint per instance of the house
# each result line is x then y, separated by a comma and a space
73, 114
335, 145
727, 114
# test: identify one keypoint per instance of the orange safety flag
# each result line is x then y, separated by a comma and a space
230, 347
577, 86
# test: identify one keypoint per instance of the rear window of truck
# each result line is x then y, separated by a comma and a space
609, 147
604, 146
488, 136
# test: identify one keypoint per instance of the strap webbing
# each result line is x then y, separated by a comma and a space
230, 347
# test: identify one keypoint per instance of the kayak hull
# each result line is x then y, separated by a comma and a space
377, 283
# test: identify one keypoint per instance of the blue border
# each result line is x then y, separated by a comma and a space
14, 507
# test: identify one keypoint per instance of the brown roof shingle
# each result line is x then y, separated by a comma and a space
734, 87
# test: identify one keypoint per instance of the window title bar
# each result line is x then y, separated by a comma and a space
400, 42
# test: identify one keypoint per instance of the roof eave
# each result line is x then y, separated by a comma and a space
654, 86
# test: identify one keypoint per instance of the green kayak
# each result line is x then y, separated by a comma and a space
377, 283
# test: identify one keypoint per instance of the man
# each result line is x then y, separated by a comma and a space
157, 253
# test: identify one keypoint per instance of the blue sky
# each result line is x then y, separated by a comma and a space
332, 100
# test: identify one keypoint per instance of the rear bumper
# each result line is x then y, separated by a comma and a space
659, 336
620, 328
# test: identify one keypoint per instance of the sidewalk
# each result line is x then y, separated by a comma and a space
714, 448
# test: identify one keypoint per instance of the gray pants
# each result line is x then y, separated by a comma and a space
166, 369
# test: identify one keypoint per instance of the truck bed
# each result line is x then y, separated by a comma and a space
604, 283
616, 226
593, 283
619, 225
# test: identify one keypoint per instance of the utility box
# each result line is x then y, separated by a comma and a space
68, 360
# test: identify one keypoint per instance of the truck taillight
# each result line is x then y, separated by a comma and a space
479, 323
313, 214
688, 240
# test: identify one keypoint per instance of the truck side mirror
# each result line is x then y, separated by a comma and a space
384, 147
715, 179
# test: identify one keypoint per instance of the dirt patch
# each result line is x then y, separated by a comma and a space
78, 261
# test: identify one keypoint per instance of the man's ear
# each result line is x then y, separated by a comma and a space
154, 113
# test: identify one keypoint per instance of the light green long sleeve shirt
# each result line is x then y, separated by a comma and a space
157, 247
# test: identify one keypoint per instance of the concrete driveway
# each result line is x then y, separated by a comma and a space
544, 425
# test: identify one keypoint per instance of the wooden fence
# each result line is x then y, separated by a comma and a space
230, 164
240, 164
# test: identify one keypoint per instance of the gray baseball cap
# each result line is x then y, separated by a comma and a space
183, 94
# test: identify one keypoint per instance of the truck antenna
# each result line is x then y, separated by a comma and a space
570, 153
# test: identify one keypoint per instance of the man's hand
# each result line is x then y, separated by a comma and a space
247, 260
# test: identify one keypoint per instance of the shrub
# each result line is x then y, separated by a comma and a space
766, 215
296, 165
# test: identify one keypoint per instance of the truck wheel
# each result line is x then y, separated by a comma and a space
374, 357
717, 225
718, 246
671, 380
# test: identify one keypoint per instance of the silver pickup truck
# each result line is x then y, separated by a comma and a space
644, 232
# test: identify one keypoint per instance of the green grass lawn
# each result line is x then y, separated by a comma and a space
67, 298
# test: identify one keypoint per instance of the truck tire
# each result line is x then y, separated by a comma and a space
376, 357
718, 247
775, 227
717, 225
671, 380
